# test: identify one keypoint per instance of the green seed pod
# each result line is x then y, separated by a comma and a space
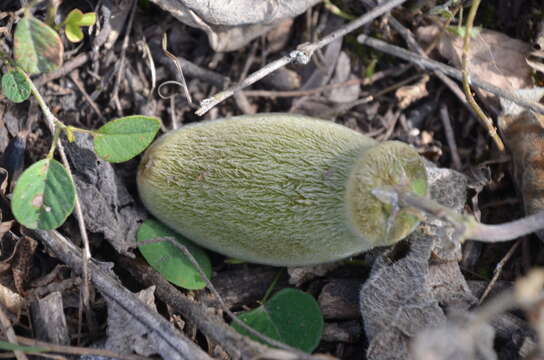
278, 189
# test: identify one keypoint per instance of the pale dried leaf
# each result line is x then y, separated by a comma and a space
342, 73
11, 300
230, 25
453, 341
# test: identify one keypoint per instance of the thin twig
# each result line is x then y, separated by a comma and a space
301, 55
76, 350
450, 137
122, 59
498, 270
293, 93
74, 76
7, 329
448, 70
66, 68
486, 121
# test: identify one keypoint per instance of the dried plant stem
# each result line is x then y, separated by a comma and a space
176, 344
122, 60
301, 55
498, 270
486, 121
53, 124
432, 65
75, 350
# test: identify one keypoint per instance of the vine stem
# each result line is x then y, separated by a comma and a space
486, 121
466, 225
56, 126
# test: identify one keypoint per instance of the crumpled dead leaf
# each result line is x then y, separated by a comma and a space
410, 285
105, 201
230, 25
407, 95
493, 57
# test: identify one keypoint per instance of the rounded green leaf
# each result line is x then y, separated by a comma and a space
15, 86
37, 47
169, 260
44, 196
291, 316
122, 139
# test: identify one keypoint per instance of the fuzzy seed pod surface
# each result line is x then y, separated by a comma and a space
279, 189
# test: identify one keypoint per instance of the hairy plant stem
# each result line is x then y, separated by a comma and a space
466, 225
55, 124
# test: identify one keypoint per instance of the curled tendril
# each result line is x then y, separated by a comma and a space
161, 93
179, 75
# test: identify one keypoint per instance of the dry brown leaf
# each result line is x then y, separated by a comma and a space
407, 95
22, 261
493, 57
523, 133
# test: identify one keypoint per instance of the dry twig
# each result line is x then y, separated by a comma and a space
432, 65
178, 345
7, 329
301, 55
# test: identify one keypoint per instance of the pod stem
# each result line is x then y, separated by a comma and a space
467, 227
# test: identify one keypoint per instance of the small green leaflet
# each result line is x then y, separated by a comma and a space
44, 196
15, 86
291, 316
37, 47
74, 21
169, 260
122, 139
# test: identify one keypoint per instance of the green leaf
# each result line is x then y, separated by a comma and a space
74, 21
169, 260
44, 196
291, 316
4, 345
37, 47
15, 86
122, 139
